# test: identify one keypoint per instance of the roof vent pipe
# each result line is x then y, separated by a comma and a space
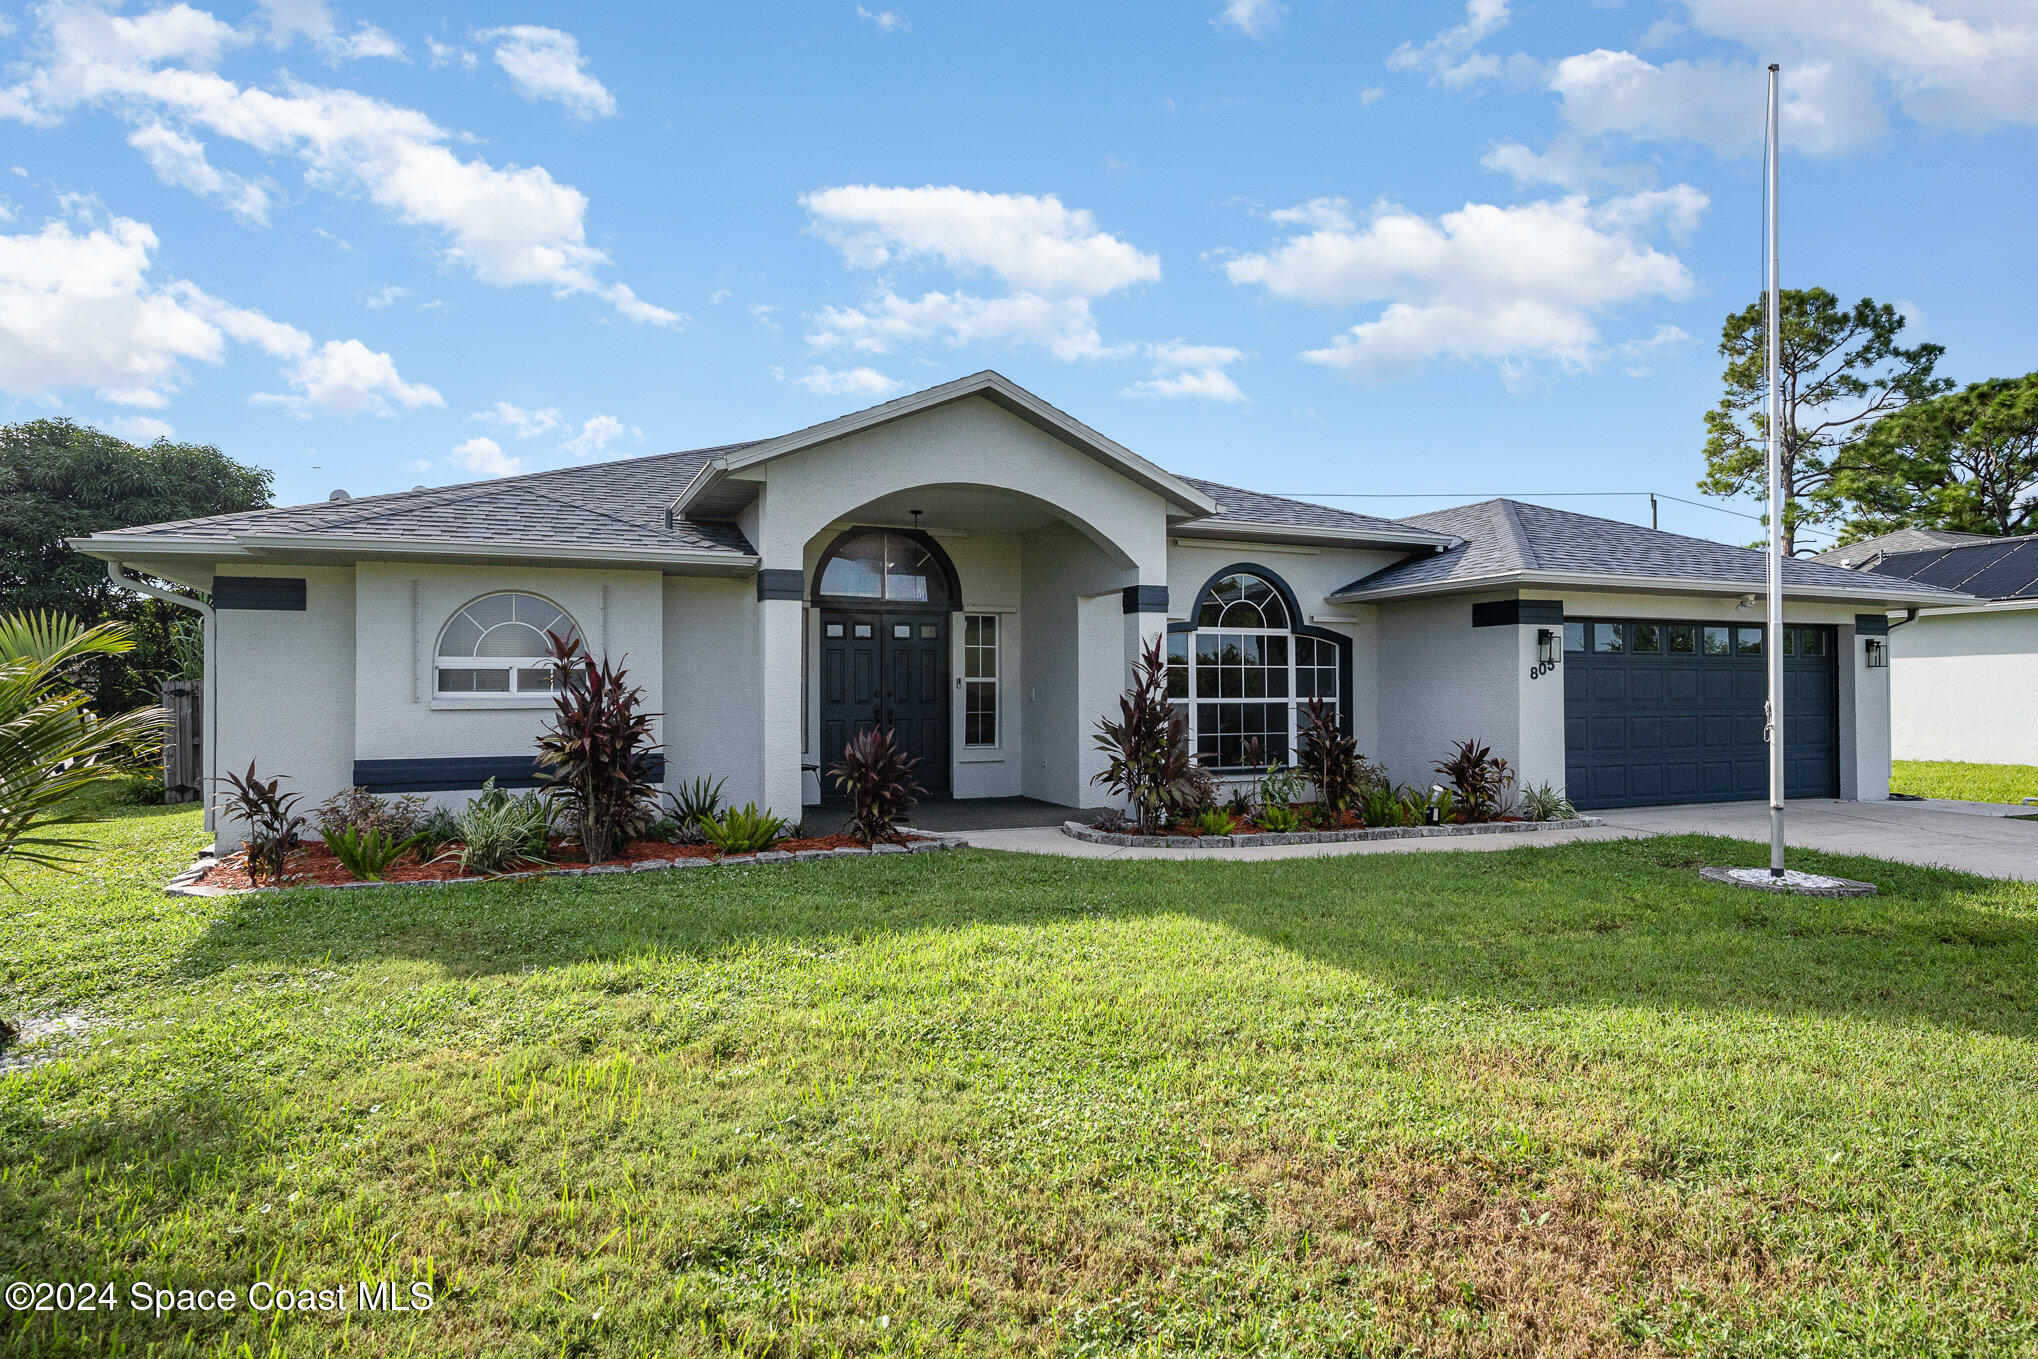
339, 495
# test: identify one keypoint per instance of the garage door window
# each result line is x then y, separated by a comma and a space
1748, 641
1646, 638
1606, 636
1716, 642
1683, 639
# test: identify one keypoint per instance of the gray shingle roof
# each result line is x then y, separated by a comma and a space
1511, 537
1239, 506
1867, 550
613, 504
1994, 568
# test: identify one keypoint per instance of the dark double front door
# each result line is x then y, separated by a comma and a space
886, 670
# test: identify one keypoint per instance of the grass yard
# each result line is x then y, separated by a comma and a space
1967, 782
1556, 1101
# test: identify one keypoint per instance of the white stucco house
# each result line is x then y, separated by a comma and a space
977, 569
1964, 675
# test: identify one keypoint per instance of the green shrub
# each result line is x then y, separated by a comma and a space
1215, 822
366, 852
1542, 802
498, 830
695, 802
744, 830
360, 810
1280, 818
439, 827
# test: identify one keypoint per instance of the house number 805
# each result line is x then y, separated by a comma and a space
1541, 668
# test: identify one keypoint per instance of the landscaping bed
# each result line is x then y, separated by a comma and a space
314, 865
1350, 827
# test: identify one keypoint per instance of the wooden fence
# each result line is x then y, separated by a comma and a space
184, 741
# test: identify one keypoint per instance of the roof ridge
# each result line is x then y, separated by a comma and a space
1532, 560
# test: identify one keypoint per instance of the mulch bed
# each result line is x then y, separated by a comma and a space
316, 866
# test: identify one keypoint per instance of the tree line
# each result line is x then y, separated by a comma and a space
1873, 439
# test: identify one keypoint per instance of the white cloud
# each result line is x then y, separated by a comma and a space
347, 378
445, 54
291, 19
887, 20
1254, 18
180, 162
1053, 262
1181, 369
545, 63
139, 429
484, 455
597, 432
1449, 57
525, 424
1640, 353
365, 41
1566, 163
394, 292
1485, 283
506, 226
79, 310
842, 381
1370, 96
761, 312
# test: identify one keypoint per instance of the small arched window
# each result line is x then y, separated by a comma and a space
874, 564
497, 645
1246, 673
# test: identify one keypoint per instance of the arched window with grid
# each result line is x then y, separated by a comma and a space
1246, 673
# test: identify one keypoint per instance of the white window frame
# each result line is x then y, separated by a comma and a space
994, 680
1294, 705
516, 693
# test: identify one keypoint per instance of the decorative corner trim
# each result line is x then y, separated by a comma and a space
284, 594
781, 582
1146, 599
1871, 625
1507, 613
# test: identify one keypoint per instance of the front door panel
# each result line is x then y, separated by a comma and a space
885, 670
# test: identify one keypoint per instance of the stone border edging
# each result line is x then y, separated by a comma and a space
188, 884
1077, 830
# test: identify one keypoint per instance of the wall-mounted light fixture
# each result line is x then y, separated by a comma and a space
1878, 653
1546, 646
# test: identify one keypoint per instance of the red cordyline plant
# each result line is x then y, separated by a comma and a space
877, 775
1150, 763
1330, 758
598, 750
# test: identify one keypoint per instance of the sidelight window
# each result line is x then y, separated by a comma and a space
980, 679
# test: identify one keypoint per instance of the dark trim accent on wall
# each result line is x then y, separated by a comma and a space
1871, 625
920, 536
1507, 613
781, 582
459, 772
282, 593
1146, 599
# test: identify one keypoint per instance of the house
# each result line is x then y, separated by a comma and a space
1963, 676
977, 570
1863, 554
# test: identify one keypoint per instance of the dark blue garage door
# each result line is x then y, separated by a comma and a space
1660, 711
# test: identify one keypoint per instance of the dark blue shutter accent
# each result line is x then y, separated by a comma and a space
284, 593
1146, 599
781, 582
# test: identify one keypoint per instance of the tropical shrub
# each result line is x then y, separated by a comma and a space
695, 802
438, 828
58, 760
1215, 822
360, 810
1240, 803
1279, 786
1114, 822
1148, 760
1280, 818
877, 775
366, 850
1480, 780
271, 827
597, 750
498, 830
1543, 802
744, 830
1330, 758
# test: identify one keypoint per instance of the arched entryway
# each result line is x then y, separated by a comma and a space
886, 600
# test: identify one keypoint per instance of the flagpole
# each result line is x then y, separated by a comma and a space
1773, 647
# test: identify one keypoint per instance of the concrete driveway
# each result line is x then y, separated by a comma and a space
1974, 837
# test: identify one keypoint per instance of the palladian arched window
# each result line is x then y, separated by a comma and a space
496, 645
1246, 674
899, 568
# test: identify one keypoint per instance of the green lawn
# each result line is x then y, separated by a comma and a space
1967, 782
1543, 1101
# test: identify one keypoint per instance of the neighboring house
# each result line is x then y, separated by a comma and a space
1964, 677
978, 570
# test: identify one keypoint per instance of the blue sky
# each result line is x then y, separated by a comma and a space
1312, 246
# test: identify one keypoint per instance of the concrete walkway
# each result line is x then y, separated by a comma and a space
1972, 837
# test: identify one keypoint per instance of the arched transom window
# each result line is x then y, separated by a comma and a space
878, 565
496, 645
1246, 675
